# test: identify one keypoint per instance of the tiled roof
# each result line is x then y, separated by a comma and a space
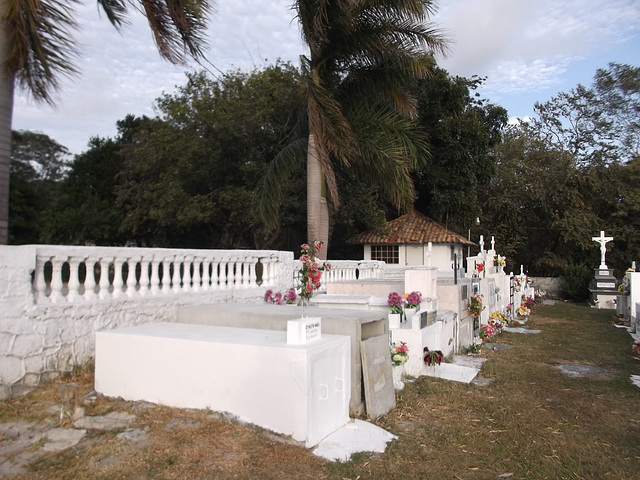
412, 227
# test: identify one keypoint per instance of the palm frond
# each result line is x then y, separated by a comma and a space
116, 11
269, 190
390, 147
178, 27
42, 47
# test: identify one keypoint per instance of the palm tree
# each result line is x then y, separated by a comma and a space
37, 47
363, 57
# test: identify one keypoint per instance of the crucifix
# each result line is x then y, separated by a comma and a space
602, 240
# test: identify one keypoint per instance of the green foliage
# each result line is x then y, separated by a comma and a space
189, 177
460, 131
575, 282
38, 164
568, 175
85, 210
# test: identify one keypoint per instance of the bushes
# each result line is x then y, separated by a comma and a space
575, 282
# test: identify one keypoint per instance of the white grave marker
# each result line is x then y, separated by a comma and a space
602, 240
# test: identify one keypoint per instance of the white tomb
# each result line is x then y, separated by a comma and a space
298, 390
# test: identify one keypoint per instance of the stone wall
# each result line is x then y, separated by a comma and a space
551, 285
38, 341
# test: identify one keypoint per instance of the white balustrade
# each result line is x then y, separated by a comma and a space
136, 272
112, 273
344, 271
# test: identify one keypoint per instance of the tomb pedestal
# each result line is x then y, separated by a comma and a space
297, 390
603, 288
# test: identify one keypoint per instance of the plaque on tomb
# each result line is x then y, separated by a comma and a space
303, 330
379, 393
605, 285
420, 321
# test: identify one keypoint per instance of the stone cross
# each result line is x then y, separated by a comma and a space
602, 240
493, 243
481, 243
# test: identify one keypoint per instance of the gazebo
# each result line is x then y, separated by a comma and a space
405, 242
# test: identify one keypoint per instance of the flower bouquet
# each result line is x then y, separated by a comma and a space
290, 297
274, 298
399, 354
432, 357
475, 305
395, 302
412, 300
311, 271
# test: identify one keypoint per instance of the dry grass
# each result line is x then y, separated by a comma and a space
532, 421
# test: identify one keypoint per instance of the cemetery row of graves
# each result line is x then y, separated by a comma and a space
338, 338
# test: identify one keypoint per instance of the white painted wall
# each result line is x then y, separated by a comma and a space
39, 339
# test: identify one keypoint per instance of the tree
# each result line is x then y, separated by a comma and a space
597, 125
461, 132
189, 176
38, 165
362, 58
37, 47
85, 211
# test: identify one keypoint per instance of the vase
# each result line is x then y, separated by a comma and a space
397, 371
409, 313
304, 301
394, 320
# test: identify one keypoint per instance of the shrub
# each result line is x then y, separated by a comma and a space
575, 282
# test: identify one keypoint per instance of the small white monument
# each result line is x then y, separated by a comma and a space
604, 287
602, 240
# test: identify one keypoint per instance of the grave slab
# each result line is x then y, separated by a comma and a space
355, 437
379, 392
451, 371
297, 390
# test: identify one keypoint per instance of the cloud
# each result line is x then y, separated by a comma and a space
520, 45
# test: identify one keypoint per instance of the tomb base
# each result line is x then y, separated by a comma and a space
297, 390
603, 289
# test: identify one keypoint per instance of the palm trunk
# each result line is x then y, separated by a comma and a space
317, 208
6, 109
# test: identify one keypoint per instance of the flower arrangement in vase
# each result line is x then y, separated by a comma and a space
290, 297
411, 304
395, 303
274, 298
412, 300
475, 305
432, 357
311, 270
399, 354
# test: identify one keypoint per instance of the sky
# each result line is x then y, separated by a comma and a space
528, 50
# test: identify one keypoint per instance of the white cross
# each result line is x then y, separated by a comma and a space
602, 240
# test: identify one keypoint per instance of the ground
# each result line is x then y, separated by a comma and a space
559, 404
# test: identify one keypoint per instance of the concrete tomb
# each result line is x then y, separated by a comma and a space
298, 390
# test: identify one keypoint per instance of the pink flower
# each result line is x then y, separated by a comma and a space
317, 245
304, 247
308, 288
305, 258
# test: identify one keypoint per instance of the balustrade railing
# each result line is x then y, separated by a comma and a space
74, 274
343, 271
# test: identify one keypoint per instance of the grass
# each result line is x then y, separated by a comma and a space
532, 421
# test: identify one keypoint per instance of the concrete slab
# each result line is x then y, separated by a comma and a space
497, 346
62, 438
468, 361
354, 437
520, 330
377, 376
111, 421
451, 371
580, 371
